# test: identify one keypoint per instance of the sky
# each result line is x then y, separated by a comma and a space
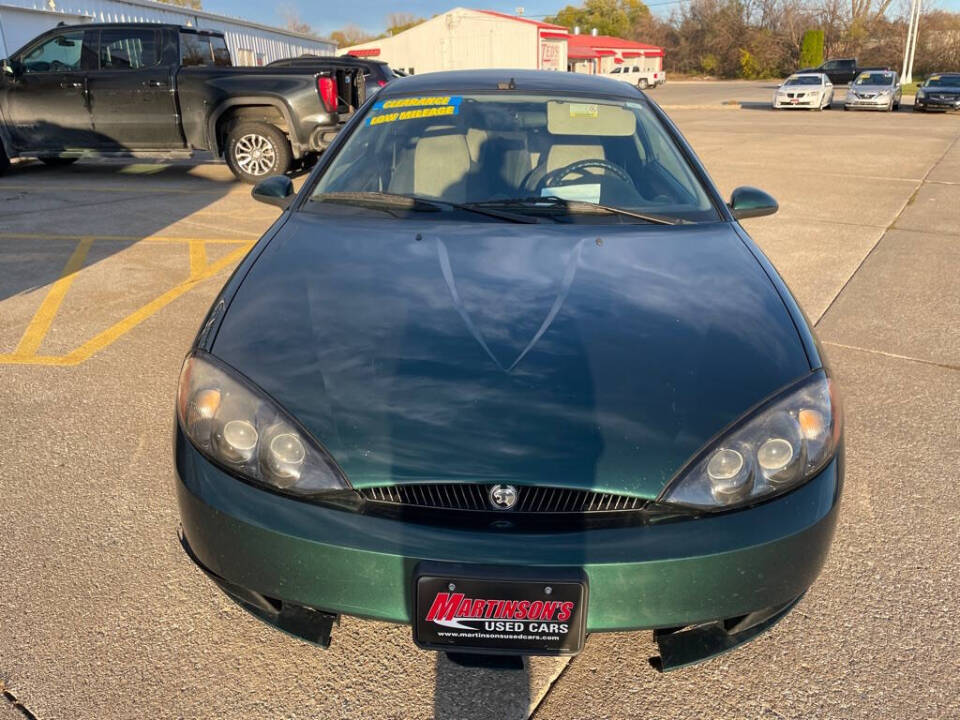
325, 16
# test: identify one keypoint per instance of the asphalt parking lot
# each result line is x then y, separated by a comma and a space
106, 271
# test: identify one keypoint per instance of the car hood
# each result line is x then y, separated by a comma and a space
595, 357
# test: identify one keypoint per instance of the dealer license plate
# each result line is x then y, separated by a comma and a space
517, 617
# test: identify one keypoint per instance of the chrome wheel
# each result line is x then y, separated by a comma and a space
255, 154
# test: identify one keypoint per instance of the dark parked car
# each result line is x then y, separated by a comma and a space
940, 91
840, 70
376, 73
509, 370
137, 87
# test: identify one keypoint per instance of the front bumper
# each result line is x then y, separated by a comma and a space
802, 103
655, 576
935, 104
875, 103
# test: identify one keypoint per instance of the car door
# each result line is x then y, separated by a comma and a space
45, 99
132, 97
829, 68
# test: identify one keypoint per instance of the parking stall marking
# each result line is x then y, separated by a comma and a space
200, 270
42, 320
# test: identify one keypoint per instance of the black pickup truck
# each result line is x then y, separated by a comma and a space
841, 71
139, 88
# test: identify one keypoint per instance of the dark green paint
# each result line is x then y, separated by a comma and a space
670, 574
277, 190
749, 202
400, 354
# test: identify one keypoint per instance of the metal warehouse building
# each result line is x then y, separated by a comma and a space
250, 43
462, 39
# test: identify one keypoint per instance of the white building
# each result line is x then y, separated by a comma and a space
250, 43
461, 39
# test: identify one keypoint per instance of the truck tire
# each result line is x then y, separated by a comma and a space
257, 150
643, 84
58, 161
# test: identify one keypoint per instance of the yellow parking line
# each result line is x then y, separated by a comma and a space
112, 333
40, 324
198, 257
122, 238
24, 354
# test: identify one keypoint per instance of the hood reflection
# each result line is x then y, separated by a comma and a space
488, 352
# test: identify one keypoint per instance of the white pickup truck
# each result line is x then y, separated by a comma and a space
637, 76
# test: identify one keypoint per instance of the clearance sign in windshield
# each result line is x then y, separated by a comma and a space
388, 111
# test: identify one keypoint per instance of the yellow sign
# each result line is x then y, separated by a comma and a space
413, 114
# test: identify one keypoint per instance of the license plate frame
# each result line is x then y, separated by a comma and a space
556, 629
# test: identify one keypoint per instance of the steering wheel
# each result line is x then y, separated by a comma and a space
556, 177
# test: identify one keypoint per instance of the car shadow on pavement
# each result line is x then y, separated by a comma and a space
46, 211
487, 688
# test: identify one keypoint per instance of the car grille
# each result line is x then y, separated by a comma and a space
475, 497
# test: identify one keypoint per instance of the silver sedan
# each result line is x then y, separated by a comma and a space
874, 90
812, 91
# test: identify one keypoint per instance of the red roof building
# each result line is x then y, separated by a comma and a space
598, 54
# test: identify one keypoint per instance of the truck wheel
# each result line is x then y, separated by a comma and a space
643, 84
256, 150
58, 161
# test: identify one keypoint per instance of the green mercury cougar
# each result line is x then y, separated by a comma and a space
409, 404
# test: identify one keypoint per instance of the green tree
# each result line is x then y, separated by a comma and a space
619, 18
811, 49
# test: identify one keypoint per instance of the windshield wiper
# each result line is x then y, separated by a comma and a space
552, 202
414, 203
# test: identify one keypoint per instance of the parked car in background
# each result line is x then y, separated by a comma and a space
810, 91
510, 371
638, 77
840, 70
941, 91
125, 88
376, 73
874, 90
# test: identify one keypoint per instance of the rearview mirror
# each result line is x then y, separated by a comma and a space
748, 202
276, 190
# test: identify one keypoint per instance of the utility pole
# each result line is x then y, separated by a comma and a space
906, 74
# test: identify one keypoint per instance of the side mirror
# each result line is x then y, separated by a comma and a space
748, 202
8, 70
277, 190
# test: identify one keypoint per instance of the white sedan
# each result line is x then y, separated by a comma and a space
804, 90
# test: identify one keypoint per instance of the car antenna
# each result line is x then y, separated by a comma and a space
512, 85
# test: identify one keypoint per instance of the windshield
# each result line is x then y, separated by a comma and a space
526, 155
880, 78
944, 81
803, 80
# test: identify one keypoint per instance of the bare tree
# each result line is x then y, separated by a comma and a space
292, 21
193, 4
350, 35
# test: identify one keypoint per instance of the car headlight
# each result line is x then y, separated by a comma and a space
235, 424
884, 93
773, 449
